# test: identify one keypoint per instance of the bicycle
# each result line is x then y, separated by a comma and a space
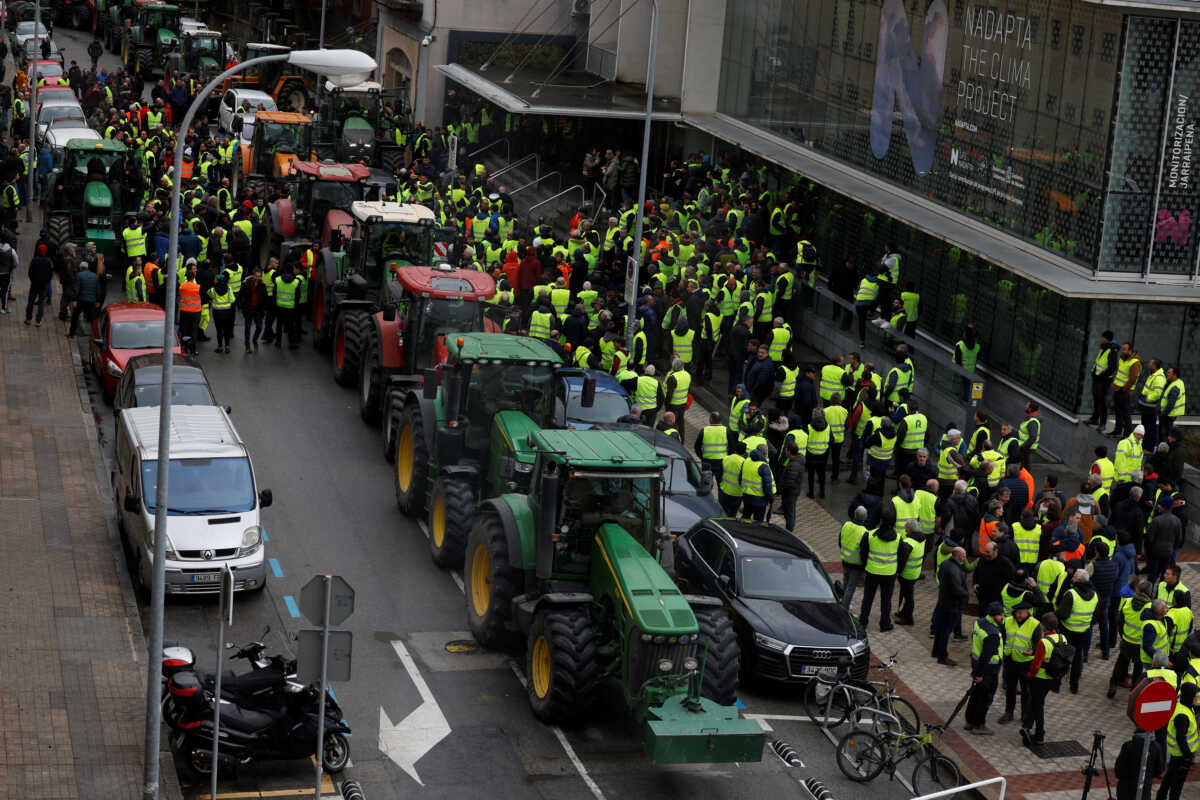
862, 755
833, 701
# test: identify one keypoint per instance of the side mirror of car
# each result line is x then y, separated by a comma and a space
706, 480
838, 589
725, 581
236, 124
587, 398
265, 498
132, 503
228, 409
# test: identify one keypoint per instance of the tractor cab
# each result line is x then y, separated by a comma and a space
280, 138
288, 88
322, 188
83, 204
153, 35
357, 121
432, 303
387, 237
203, 53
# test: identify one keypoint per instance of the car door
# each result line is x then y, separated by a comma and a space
714, 562
99, 343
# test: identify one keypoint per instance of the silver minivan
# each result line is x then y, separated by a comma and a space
213, 501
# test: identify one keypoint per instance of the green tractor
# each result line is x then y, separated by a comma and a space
356, 124
201, 53
463, 438
580, 567
82, 206
151, 36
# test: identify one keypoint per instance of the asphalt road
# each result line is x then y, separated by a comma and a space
460, 722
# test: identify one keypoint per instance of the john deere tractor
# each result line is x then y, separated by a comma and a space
201, 53
356, 124
463, 437
152, 34
82, 206
579, 566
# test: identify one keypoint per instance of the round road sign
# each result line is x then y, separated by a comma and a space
1151, 703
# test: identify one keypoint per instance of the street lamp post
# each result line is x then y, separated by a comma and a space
635, 260
352, 66
31, 161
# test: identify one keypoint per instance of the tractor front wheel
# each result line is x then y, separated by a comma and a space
370, 379
720, 655
58, 228
560, 663
490, 582
412, 461
450, 511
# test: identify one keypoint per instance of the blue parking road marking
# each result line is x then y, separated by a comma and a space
292, 608
274, 562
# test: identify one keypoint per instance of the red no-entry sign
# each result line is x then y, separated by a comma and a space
1151, 703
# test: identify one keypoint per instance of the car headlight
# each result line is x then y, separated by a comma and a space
169, 549
112, 369
762, 640
251, 541
858, 647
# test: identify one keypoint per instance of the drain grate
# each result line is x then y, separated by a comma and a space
1070, 749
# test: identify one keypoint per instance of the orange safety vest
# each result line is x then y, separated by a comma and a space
148, 270
186, 169
189, 298
985, 532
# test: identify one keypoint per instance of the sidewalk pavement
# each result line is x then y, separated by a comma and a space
1051, 774
72, 673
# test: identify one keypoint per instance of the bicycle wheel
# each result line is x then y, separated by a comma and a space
861, 755
906, 712
818, 702
934, 773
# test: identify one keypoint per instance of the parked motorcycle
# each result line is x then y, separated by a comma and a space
251, 734
259, 688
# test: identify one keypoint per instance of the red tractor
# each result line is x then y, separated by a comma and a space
318, 208
408, 334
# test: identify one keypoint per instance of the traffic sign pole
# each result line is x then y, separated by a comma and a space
1151, 704
328, 581
225, 607
1142, 766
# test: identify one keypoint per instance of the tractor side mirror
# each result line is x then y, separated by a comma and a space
588, 398
429, 383
265, 498
389, 312
706, 480
355, 251
132, 503
335, 240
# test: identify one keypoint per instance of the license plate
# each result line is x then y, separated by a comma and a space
823, 672
207, 577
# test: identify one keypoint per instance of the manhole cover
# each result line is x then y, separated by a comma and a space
462, 646
1070, 749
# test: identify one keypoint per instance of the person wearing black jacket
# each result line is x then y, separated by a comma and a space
962, 510
790, 483
952, 598
254, 301
41, 270
1129, 763
1103, 368
986, 645
1104, 582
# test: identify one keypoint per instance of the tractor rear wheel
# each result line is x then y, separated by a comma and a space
144, 62
450, 511
347, 346
370, 378
321, 337
58, 228
490, 581
720, 653
560, 663
412, 461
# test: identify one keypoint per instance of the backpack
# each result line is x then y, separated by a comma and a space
1059, 663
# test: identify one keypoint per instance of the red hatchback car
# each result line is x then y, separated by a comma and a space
120, 332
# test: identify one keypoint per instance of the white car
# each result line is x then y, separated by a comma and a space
24, 32
250, 99
59, 110
33, 50
61, 131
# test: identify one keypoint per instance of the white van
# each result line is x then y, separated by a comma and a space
213, 502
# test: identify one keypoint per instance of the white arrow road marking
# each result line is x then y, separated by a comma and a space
407, 743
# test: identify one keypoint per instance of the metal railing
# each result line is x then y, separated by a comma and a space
970, 787
537, 165
551, 199
486, 147
598, 205
537, 182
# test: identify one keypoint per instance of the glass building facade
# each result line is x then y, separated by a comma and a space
1061, 122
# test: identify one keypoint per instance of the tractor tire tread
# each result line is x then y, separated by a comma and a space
460, 509
413, 502
370, 408
492, 628
720, 655
573, 663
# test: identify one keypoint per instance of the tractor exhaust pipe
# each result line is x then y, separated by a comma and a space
547, 532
